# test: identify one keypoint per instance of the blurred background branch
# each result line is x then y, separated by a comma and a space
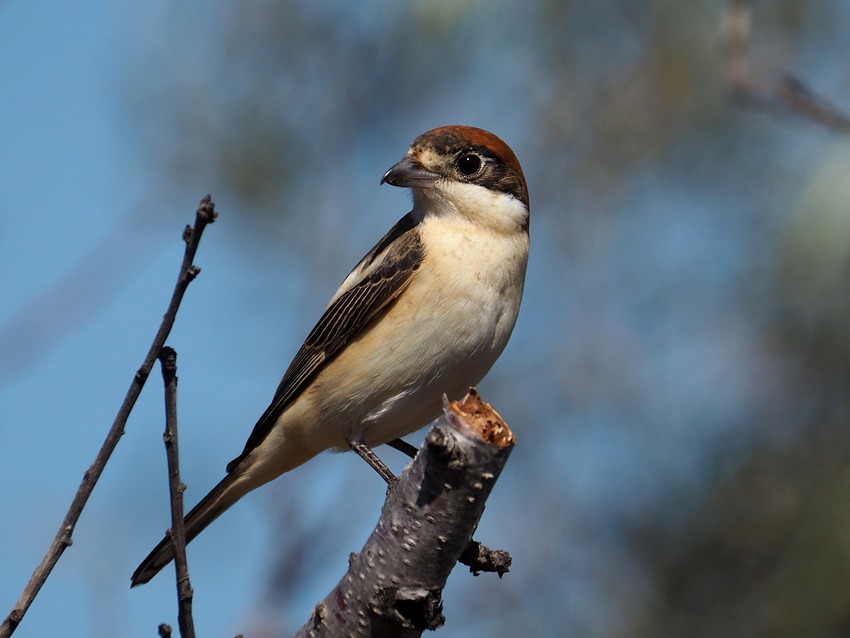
790, 93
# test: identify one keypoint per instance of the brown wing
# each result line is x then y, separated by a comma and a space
348, 315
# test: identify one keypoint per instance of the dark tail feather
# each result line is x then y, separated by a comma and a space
204, 513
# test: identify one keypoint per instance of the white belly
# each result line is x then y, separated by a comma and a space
393, 379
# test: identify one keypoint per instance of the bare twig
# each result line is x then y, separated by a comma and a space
789, 95
168, 360
192, 236
480, 558
393, 586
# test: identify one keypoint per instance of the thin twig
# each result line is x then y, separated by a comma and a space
168, 360
192, 236
790, 94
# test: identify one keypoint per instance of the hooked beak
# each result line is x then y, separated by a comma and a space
409, 172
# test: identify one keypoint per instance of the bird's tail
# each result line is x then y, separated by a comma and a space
220, 498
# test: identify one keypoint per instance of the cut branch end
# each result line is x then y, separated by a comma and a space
482, 418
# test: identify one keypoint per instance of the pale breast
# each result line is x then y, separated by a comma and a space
442, 335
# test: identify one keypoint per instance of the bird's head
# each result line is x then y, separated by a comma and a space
466, 171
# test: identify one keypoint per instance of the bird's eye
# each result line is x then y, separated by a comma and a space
469, 164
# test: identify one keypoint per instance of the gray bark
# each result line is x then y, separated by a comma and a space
393, 586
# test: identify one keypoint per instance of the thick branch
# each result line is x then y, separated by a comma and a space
192, 236
393, 587
168, 359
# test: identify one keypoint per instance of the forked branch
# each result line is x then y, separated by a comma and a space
192, 236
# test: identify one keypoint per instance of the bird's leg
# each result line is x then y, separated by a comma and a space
366, 453
404, 447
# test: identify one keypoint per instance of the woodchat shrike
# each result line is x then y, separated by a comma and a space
424, 314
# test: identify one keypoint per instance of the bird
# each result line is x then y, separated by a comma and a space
424, 314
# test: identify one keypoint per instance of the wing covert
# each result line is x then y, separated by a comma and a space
348, 315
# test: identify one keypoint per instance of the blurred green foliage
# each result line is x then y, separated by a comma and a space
680, 381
